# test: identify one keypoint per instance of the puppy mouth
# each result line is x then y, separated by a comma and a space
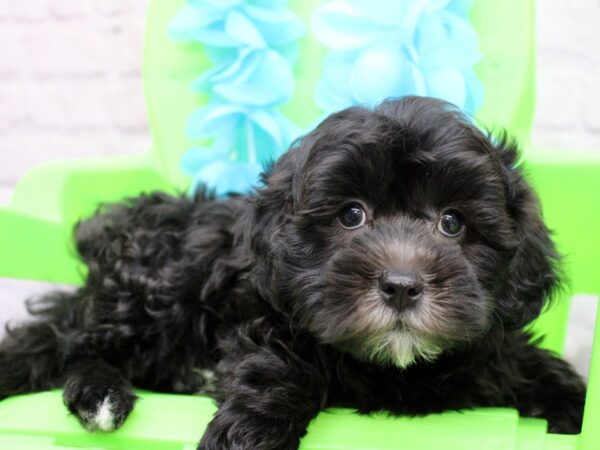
390, 309
378, 332
400, 346
401, 325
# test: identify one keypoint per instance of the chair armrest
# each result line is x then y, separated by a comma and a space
36, 248
36, 228
590, 433
568, 182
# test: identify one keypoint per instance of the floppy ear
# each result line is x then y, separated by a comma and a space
533, 273
273, 203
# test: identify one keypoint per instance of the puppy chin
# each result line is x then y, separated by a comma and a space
377, 333
400, 348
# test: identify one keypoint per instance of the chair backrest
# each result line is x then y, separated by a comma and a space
506, 69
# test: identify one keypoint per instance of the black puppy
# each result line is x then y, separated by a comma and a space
388, 263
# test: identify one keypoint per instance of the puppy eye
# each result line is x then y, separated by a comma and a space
352, 216
450, 224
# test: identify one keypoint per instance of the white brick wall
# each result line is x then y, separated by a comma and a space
70, 79
568, 76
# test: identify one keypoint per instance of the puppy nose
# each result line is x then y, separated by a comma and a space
401, 289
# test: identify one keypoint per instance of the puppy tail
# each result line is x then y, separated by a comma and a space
32, 355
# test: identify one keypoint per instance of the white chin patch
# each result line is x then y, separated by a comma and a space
402, 348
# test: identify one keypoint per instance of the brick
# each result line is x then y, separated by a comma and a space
555, 107
43, 105
122, 49
12, 53
86, 105
568, 32
12, 113
140, 7
112, 7
127, 107
68, 9
28, 10
123, 42
3, 9
568, 63
68, 51
591, 106
5, 195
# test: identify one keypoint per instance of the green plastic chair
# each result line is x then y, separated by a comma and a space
35, 232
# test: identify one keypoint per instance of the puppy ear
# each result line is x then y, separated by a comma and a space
532, 275
272, 204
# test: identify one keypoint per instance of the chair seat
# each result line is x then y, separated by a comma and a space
175, 422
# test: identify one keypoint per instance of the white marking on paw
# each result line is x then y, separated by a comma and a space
102, 419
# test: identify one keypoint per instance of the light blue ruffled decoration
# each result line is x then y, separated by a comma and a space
385, 48
376, 49
253, 44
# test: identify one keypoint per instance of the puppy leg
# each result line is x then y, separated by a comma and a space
32, 354
267, 398
555, 392
98, 395
515, 375
29, 361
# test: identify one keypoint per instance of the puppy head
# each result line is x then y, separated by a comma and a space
403, 232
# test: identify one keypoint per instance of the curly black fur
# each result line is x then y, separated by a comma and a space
283, 304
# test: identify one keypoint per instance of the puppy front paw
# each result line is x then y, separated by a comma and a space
245, 433
566, 419
99, 407
561, 405
211, 442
